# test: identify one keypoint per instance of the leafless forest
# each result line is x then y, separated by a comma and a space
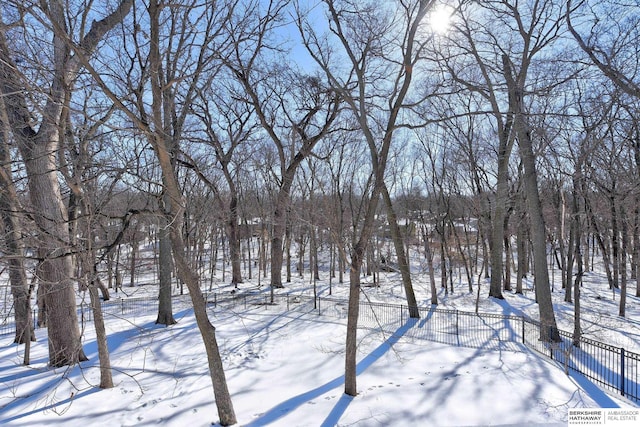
495, 137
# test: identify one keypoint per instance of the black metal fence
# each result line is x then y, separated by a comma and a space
609, 366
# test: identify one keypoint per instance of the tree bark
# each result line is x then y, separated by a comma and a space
232, 234
615, 232
165, 268
498, 220
351, 346
623, 264
9, 203
521, 244
403, 262
549, 329
429, 256
55, 270
576, 229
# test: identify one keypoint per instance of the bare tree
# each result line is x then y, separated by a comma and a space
77, 170
549, 328
228, 124
296, 111
162, 66
39, 148
612, 36
472, 60
505, 55
14, 247
342, 164
378, 44
608, 33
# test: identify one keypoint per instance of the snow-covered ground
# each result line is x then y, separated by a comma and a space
285, 369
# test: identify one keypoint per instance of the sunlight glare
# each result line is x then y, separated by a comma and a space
440, 19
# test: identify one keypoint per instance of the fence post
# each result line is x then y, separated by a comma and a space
402, 314
287, 302
622, 380
457, 329
524, 341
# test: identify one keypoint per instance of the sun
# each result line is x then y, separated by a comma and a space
440, 19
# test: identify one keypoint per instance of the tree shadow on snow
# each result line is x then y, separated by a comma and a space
593, 391
286, 407
47, 390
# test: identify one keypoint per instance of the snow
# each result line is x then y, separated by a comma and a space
285, 368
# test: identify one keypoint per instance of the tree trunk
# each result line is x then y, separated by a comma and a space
564, 253
351, 346
577, 327
174, 211
118, 275
13, 240
301, 249
207, 331
89, 279
549, 329
106, 379
133, 257
55, 271
277, 244
507, 264
498, 220
444, 270
403, 262
570, 260
615, 244
623, 264
463, 257
576, 230
280, 220
521, 245
429, 256
606, 259
234, 239
165, 260
313, 249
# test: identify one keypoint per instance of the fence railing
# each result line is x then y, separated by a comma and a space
609, 366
